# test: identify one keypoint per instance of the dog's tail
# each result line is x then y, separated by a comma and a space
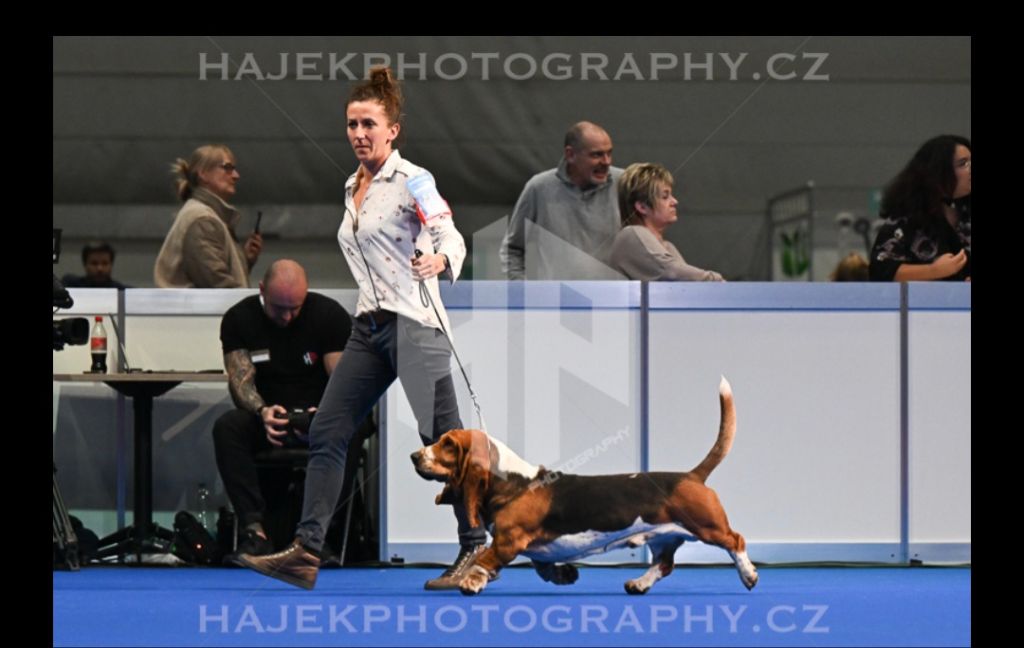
726, 432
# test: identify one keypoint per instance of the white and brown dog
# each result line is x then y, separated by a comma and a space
553, 518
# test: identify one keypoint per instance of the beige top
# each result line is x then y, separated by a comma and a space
638, 254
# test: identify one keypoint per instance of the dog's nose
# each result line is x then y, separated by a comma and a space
415, 457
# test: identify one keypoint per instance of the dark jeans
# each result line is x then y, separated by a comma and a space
373, 358
238, 439
238, 436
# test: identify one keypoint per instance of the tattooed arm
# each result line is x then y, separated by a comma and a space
242, 385
242, 381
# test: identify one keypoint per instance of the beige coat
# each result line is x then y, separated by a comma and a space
200, 250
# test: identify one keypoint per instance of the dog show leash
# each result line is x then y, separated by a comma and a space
427, 300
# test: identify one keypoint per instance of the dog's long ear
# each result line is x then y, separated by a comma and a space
476, 475
452, 488
447, 496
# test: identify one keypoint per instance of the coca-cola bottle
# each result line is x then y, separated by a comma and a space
98, 346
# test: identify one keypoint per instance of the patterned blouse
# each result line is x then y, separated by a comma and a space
899, 241
400, 213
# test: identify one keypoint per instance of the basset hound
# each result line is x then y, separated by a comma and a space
552, 517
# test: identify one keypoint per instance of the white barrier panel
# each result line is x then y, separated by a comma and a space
815, 371
814, 473
939, 358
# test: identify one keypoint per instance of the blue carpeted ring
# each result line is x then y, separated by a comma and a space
109, 606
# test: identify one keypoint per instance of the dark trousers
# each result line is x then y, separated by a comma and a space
374, 356
238, 436
238, 439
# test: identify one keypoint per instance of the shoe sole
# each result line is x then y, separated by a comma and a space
435, 588
453, 586
286, 578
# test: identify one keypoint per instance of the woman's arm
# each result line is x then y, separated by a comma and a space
945, 265
449, 246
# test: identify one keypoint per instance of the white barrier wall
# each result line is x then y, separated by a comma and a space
939, 363
815, 471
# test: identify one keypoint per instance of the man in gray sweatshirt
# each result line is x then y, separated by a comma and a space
565, 220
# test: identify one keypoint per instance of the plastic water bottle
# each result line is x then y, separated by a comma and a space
98, 346
203, 503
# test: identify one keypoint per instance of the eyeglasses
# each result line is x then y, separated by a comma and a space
963, 164
227, 166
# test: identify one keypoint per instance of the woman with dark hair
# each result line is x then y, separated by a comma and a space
397, 236
927, 210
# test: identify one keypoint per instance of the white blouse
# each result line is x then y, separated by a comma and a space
380, 240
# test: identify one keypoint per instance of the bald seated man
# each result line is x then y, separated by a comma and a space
280, 347
566, 218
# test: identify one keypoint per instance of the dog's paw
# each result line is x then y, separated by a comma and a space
475, 581
565, 575
749, 580
637, 586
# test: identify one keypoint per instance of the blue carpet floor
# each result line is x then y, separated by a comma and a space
121, 606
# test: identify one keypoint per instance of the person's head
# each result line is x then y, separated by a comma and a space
944, 163
645, 196
939, 172
373, 116
212, 167
98, 261
284, 289
588, 154
853, 267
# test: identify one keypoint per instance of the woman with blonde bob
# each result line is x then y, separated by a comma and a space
647, 208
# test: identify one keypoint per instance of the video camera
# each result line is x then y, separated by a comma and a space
73, 330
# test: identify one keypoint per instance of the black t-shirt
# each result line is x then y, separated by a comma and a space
293, 375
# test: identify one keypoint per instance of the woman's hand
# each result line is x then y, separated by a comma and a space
428, 265
253, 247
948, 264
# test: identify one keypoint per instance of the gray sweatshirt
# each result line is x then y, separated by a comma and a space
559, 231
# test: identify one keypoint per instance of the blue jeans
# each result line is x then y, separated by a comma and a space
374, 356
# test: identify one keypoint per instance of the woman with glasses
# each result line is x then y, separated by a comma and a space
926, 235
647, 208
200, 250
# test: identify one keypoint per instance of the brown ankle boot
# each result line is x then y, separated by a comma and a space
451, 576
295, 565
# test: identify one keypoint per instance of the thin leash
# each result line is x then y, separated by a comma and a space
427, 300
